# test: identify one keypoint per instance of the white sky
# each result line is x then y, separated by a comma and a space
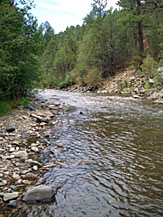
63, 13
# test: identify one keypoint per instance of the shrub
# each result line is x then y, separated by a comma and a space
4, 108
147, 85
93, 77
149, 66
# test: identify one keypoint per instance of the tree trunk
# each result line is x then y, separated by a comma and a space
140, 29
140, 33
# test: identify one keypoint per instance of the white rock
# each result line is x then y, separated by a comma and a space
34, 149
16, 176
10, 196
21, 154
35, 168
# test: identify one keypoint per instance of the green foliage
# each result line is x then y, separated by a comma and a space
70, 80
23, 101
93, 77
149, 66
19, 47
5, 108
147, 85
106, 42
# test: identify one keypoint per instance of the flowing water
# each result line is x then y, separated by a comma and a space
113, 149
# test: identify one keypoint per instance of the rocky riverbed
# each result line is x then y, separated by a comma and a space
130, 83
24, 134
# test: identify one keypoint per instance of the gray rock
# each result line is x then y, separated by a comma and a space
29, 176
14, 188
39, 194
10, 128
13, 204
33, 163
10, 196
30, 107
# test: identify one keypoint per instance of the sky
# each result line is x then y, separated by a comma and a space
63, 13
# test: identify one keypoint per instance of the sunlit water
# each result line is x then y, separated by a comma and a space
118, 144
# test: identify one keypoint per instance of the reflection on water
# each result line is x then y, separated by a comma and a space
113, 150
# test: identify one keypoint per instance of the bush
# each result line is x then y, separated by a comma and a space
5, 108
69, 80
149, 67
49, 80
93, 77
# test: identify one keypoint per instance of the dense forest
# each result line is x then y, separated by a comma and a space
109, 40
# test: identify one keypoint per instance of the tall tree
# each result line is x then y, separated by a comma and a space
19, 46
136, 18
99, 7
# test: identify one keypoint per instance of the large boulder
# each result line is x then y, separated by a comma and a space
39, 194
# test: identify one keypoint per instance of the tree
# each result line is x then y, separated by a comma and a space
99, 7
19, 46
136, 19
46, 31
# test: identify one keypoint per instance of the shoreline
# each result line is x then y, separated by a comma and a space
24, 134
126, 83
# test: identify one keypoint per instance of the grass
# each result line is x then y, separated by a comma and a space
7, 106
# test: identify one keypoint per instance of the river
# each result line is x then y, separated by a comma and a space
113, 149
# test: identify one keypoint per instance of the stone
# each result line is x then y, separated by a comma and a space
158, 102
35, 168
1, 150
33, 163
13, 204
30, 107
9, 157
3, 182
10, 196
160, 69
21, 154
29, 176
151, 81
40, 194
16, 176
10, 128
12, 150
34, 149
14, 188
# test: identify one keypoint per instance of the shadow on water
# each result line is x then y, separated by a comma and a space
113, 151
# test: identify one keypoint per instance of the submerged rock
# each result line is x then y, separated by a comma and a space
39, 194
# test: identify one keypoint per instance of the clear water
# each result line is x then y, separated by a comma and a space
114, 157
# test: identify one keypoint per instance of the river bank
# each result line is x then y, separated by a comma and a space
128, 83
24, 134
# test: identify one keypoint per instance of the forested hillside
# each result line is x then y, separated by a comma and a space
108, 40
